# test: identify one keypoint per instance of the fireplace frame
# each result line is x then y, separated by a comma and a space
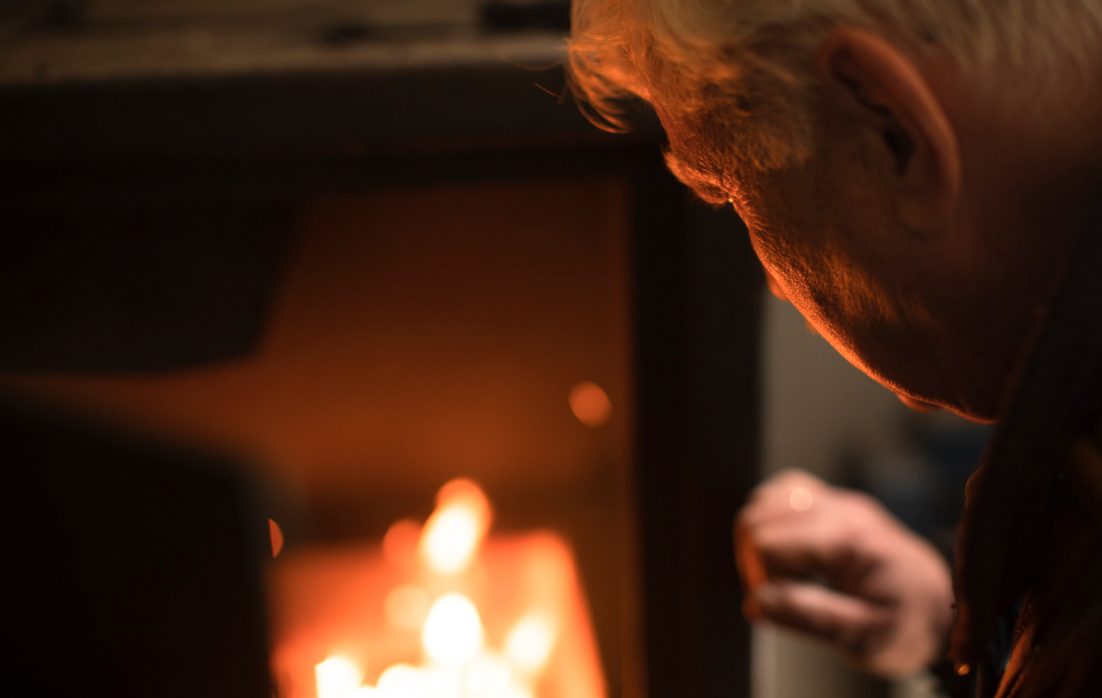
262, 137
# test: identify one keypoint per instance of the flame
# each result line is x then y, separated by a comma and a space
454, 532
530, 642
401, 681
488, 675
337, 677
518, 691
457, 661
452, 635
400, 542
406, 607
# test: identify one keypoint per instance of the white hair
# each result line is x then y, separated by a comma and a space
733, 75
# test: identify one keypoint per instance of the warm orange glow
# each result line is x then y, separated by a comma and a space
400, 681
530, 642
454, 532
515, 626
406, 607
590, 404
276, 534
488, 675
453, 633
337, 677
400, 542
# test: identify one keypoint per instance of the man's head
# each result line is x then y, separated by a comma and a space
911, 171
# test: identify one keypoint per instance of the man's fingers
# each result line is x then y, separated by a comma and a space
747, 557
769, 508
773, 498
852, 624
805, 547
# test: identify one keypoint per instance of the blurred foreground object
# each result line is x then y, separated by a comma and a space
133, 568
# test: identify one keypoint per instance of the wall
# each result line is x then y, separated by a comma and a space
819, 412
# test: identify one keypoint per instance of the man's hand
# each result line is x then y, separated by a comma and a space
833, 563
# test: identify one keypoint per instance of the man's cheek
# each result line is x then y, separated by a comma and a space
774, 264
774, 286
917, 405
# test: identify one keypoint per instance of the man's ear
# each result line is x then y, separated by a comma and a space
876, 83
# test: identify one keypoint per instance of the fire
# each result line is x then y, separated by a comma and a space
400, 681
401, 540
337, 677
454, 532
458, 660
406, 607
452, 635
530, 642
488, 675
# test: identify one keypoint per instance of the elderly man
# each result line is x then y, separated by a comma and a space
922, 179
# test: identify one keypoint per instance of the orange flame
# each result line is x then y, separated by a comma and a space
454, 533
458, 661
530, 642
337, 677
453, 634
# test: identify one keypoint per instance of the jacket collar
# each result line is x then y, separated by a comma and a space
1057, 398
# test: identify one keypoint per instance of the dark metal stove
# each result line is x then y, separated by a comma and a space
169, 168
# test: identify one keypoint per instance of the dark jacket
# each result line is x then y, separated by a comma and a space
1030, 547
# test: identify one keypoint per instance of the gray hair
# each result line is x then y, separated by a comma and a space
730, 79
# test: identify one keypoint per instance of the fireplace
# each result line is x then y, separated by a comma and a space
362, 267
